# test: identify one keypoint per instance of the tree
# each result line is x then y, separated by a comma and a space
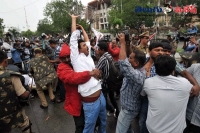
128, 15
45, 26
14, 31
1, 27
57, 11
28, 33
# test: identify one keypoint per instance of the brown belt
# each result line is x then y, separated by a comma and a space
89, 99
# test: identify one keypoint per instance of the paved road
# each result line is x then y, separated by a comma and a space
59, 120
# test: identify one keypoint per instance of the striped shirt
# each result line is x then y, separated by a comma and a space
103, 66
56, 52
193, 108
132, 86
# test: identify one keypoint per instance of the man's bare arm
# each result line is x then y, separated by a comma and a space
86, 38
73, 22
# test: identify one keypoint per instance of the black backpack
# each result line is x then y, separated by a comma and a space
115, 78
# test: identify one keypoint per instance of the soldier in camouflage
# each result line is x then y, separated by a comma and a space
11, 113
44, 74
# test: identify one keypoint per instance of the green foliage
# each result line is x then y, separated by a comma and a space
128, 15
57, 11
28, 33
14, 32
117, 21
45, 26
1, 27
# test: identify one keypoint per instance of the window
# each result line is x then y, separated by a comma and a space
105, 20
101, 20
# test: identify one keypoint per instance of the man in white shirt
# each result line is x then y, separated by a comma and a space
93, 101
168, 97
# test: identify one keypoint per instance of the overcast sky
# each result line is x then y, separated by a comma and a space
13, 12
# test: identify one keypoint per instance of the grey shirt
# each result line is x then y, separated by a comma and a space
193, 108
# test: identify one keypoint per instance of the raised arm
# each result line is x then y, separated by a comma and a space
122, 53
74, 40
73, 22
86, 38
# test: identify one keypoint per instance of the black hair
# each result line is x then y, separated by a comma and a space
52, 42
15, 44
140, 57
166, 44
91, 41
164, 65
79, 43
155, 45
3, 56
103, 46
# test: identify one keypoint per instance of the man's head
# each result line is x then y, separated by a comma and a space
52, 44
165, 65
27, 44
17, 41
169, 37
144, 38
102, 48
167, 48
15, 45
155, 49
137, 59
82, 47
114, 43
65, 54
92, 42
3, 59
37, 51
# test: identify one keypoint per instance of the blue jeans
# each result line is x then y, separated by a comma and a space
143, 115
190, 48
92, 111
124, 121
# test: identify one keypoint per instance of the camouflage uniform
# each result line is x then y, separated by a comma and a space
44, 74
174, 47
11, 113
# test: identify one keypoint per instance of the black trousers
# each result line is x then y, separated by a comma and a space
79, 122
191, 128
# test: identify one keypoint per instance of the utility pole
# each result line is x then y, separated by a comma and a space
26, 18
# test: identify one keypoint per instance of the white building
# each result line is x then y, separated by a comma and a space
97, 13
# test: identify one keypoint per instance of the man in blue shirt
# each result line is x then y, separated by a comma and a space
134, 76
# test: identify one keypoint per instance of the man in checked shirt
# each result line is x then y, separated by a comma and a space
134, 76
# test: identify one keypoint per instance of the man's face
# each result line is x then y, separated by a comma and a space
101, 52
145, 40
134, 63
53, 45
18, 42
84, 48
169, 38
66, 60
156, 52
5, 63
166, 52
114, 44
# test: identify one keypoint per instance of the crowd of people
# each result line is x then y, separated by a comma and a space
157, 91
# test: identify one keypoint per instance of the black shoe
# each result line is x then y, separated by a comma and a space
43, 107
53, 100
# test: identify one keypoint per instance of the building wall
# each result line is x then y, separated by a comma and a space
97, 13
